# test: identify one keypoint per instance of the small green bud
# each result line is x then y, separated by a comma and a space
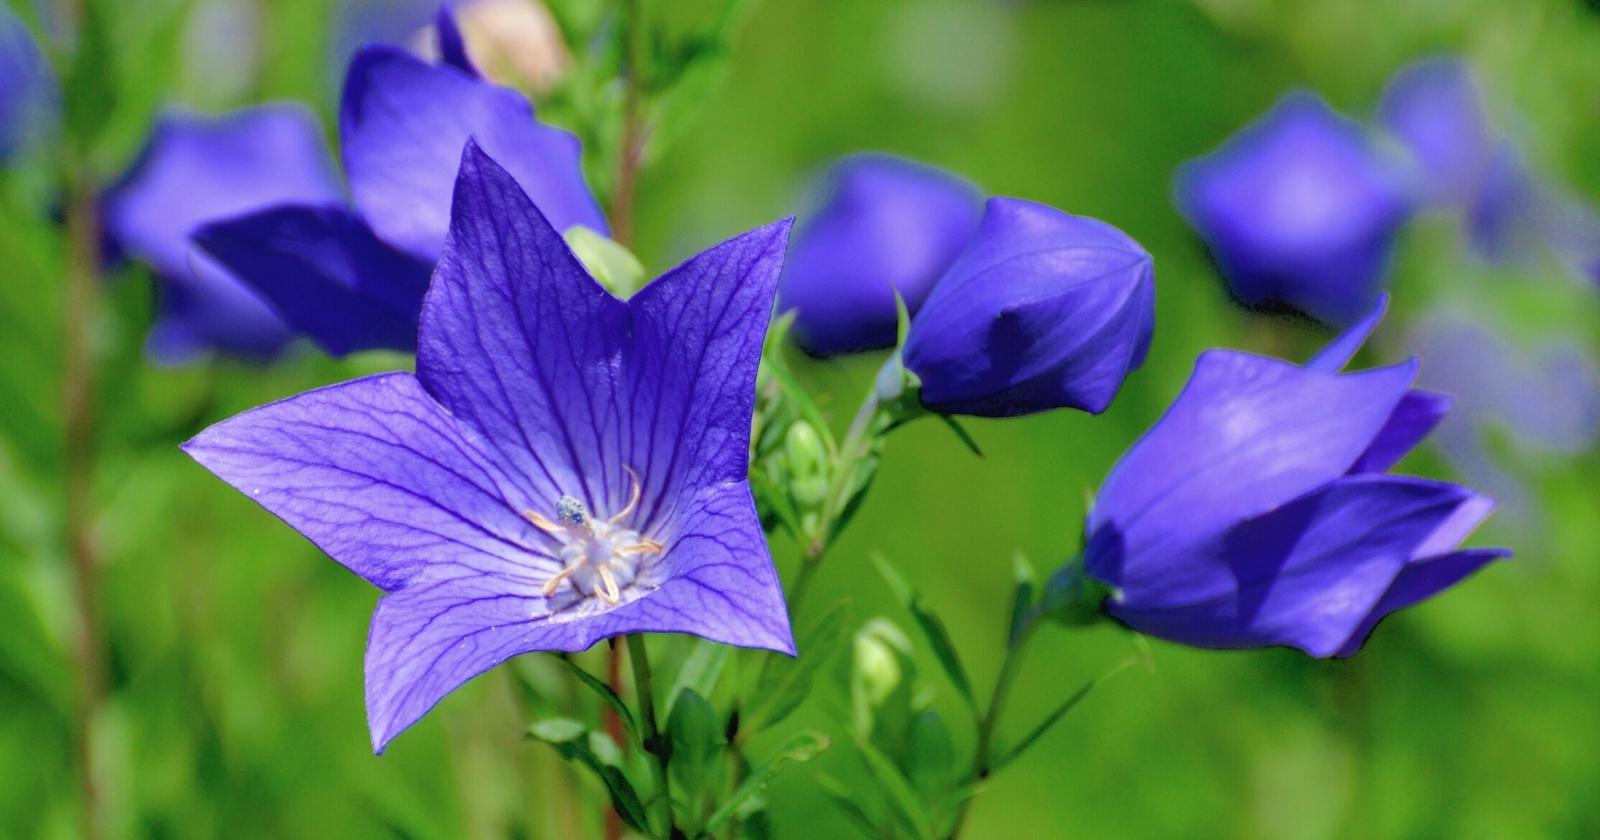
881, 670
613, 265
808, 464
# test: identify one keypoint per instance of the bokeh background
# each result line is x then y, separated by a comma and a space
233, 703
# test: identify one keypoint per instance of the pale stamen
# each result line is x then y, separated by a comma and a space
599, 553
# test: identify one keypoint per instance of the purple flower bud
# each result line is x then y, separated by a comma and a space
1298, 210
1259, 510
1043, 310
883, 225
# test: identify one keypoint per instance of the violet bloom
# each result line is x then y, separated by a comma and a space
28, 95
352, 277
1299, 210
563, 467
883, 225
1043, 310
1258, 511
1434, 109
195, 169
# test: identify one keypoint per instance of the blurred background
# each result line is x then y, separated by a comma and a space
232, 702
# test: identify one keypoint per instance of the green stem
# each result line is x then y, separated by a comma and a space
983, 758
630, 156
653, 741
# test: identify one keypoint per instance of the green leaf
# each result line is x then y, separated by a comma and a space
607, 696
932, 628
699, 671
784, 683
576, 743
802, 747
930, 756
695, 735
961, 433
845, 800
902, 797
1055, 716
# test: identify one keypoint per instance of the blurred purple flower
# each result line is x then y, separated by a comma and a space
1462, 163
1434, 108
1299, 210
1258, 511
1043, 310
28, 95
1546, 399
196, 169
352, 278
883, 224
563, 467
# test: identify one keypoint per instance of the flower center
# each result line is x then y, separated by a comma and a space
599, 557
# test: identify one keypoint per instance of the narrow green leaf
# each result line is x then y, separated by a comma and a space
845, 799
932, 628
902, 797
1060, 712
802, 747
961, 433
607, 696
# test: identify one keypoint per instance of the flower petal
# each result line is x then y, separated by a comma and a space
1416, 415
519, 341
1419, 581
207, 309
403, 123
197, 169
381, 478
325, 273
691, 369
1341, 350
446, 628
1309, 573
1246, 435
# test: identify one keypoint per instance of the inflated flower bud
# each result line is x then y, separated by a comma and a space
1043, 310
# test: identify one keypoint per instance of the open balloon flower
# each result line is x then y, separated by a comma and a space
196, 169
563, 467
1259, 511
352, 277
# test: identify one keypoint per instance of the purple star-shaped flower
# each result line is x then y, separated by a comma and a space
1259, 510
352, 276
563, 467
